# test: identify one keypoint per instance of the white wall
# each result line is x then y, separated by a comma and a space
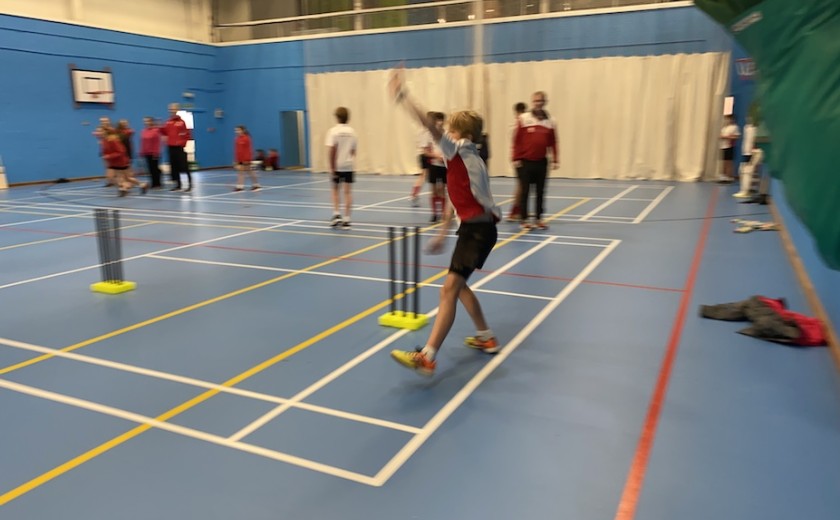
177, 19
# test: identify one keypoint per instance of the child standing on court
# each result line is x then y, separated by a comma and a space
118, 161
341, 151
243, 152
437, 172
150, 150
469, 192
515, 214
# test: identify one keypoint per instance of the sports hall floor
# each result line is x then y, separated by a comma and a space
247, 376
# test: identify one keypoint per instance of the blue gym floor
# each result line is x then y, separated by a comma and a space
247, 376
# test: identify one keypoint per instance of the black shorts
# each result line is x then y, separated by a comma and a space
339, 177
119, 168
423, 161
475, 241
746, 158
728, 154
437, 174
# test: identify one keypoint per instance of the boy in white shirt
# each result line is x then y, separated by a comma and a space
341, 150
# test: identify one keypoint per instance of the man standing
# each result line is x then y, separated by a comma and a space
534, 136
177, 134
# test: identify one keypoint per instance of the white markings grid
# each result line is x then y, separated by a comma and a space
419, 434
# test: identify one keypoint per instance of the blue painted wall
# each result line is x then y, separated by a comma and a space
636, 33
42, 135
260, 81
427, 48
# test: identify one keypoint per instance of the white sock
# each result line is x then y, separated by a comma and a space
429, 352
484, 334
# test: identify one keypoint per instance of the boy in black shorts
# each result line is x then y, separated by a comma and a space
469, 192
341, 151
437, 171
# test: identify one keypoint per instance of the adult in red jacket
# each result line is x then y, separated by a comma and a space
534, 136
243, 154
177, 134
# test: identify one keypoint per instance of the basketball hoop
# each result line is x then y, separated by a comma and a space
745, 68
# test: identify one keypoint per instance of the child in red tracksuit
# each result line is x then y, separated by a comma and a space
243, 153
272, 161
116, 157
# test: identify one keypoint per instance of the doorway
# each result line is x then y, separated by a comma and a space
292, 153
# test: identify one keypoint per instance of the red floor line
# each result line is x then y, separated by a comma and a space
636, 476
92, 234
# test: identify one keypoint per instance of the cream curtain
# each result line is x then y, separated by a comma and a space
649, 117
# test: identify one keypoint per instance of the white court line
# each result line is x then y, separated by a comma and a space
157, 213
334, 275
167, 250
187, 432
335, 374
166, 376
628, 199
607, 203
282, 204
264, 188
88, 234
315, 224
44, 219
385, 202
458, 399
597, 220
643, 215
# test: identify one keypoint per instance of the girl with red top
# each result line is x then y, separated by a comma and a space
150, 150
243, 152
101, 133
119, 164
126, 136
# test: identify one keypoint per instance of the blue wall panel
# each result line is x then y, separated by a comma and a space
637, 33
426, 48
260, 82
44, 136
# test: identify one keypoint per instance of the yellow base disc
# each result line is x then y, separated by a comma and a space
113, 287
403, 320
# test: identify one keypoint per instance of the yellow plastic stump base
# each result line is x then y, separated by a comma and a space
113, 287
403, 320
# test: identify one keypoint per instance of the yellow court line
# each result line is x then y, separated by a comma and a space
116, 441
88, 234
189, 308
287, 231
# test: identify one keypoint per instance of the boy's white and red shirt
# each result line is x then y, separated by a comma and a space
467, 181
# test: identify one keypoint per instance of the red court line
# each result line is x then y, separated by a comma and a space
636, 476
92, 234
